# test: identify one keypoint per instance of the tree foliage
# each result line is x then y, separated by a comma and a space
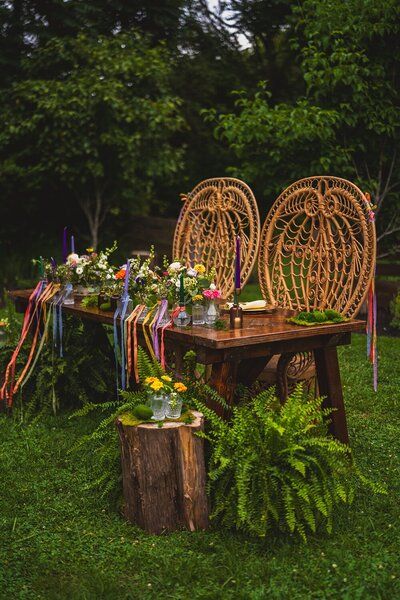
347, 120
101, 117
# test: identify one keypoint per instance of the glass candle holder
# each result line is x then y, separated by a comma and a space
173, 406
68, 294
198, 312
158, 406
182, 319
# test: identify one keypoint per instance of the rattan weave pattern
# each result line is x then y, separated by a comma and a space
214, 213
318, 247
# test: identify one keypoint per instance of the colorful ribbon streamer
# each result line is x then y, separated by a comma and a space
371, 333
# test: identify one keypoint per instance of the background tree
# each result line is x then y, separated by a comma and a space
346, 122
102, 124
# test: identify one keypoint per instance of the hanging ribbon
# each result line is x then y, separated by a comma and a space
135, 343
36, 306
372, 351
162, 309
48, 293
124, 308
131, 337
146, 334
371, 333
170, 323
116, 344
26, 324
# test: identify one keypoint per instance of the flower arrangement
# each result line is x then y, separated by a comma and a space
91, 269
212, 293
164, 384
196, 280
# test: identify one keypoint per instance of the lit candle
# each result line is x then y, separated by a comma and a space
72, 244
127, 273
64, 245
237, 264
181, 291
41, 267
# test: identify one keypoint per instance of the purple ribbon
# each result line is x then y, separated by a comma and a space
156, 324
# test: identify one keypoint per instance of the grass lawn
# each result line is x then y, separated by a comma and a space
60, 540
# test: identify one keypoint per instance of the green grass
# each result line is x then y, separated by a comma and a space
60, 540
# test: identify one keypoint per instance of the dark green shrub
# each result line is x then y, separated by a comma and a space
275, 466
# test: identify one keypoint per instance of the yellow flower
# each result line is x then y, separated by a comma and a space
197, 298
90, 250
150, 379
180, 387
157, 385
166, 378
200, 269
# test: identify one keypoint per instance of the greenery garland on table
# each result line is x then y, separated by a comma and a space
318, 317
275, 466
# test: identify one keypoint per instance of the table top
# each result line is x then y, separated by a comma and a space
257, 329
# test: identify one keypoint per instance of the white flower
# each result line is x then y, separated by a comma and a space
108, 276
191, 273
175, 266
79, 270
72, 259
213, 286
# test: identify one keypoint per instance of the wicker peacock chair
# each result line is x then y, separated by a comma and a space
318, 251
214, 213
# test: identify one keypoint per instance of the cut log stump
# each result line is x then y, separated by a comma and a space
164, 476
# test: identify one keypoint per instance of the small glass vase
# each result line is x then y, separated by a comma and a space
198, 312
158, 406
212, 313
173, 406
68, 294
182, 319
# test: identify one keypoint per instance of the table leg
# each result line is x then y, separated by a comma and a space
328, 375
250, 369
223, 380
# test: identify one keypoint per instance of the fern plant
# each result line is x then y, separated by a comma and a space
275, 466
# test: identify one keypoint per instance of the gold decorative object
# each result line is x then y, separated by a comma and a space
318, 247
318, 251
214, 213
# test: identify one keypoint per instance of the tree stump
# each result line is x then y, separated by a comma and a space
164, 476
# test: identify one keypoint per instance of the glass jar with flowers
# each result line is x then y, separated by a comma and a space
165, 396
212, 309
198, 311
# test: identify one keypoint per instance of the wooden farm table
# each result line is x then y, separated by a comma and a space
239, 356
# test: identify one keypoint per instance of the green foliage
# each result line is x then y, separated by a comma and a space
60, 540
102, 126
395, 311
315, 317
275, 466
344, 120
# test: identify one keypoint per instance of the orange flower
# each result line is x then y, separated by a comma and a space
180, 387
120, 274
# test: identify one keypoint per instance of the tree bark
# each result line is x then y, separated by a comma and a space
164, 476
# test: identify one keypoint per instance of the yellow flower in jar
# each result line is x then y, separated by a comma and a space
200, 269
166, 378
157, 385
150, 379
180, 387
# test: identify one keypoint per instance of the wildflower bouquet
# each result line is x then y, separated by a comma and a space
165, 385
196, 280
